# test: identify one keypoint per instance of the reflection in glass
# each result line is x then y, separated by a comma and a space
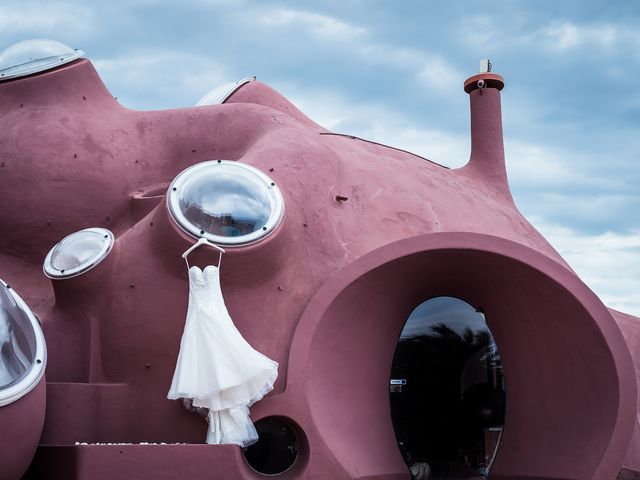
36, 55
447, 391
17, 340
78, 252
225, 204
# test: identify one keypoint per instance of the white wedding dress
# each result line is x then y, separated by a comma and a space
216, 367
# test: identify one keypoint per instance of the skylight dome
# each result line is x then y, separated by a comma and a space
33, 56
227, 202
78, 253
221, 93
23, 352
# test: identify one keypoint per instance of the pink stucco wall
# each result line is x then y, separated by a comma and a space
325, 295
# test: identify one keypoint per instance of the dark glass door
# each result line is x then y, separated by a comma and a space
447, 392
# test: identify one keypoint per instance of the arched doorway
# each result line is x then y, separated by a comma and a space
570, 378
447, 391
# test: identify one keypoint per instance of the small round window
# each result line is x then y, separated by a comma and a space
78, 252
277, 448
33, 56
22, 348
227, 202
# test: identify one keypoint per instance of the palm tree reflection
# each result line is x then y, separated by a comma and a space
451, 409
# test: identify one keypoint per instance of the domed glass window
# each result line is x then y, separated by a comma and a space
221, 93
228, 203
78, 252
22, 347
33, 56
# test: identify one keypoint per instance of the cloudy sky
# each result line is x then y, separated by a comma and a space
392, 72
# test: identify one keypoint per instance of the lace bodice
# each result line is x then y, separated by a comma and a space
207, 279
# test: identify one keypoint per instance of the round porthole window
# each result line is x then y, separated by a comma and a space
228, 203
33, 56
221, 93
22, 347
277, 448
78, 252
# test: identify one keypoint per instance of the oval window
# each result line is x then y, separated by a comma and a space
22, 347
78, 252
228, 203
33, 56
447, 391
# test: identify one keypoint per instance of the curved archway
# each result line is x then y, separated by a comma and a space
571, 389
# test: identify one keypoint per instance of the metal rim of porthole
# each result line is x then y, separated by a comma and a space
224, 95
99, 256
184, 178
33, 376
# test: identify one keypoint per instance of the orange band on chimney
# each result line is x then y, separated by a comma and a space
491, 80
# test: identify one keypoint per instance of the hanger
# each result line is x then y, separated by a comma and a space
202, 241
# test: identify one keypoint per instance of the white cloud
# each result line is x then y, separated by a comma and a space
428, 68
482, 32
566, 36
378, 123
586, 206
211, 3
47, 19
578, 187
440, 75
477, 30
548, 168
535, 165
609, 263
176, 77
563, 36
359, 42
322, 26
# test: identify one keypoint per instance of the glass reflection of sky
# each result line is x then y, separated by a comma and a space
17, 341
456, 314
236, 203
80, 248
225, 196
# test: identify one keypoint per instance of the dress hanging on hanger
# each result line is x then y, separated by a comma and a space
217, 368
